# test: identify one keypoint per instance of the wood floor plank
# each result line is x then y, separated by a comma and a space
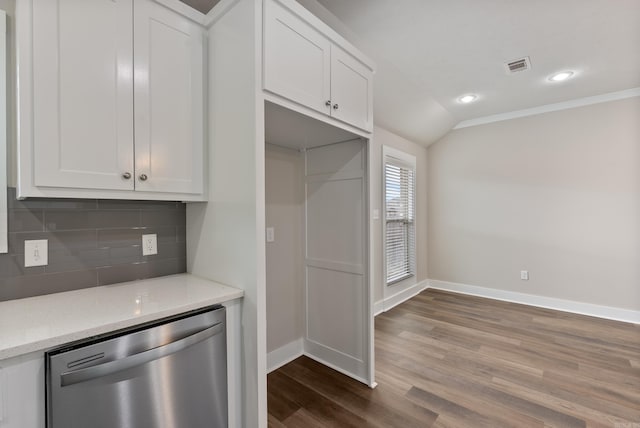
304, 419
450, 360
592, 417
328, 412
274, 422
476, 394
280, 406
470, 411
379, 406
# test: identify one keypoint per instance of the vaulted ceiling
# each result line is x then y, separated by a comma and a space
430, 52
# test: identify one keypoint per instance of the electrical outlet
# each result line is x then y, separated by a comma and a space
271, 234
524, 275
149, 244
36, 253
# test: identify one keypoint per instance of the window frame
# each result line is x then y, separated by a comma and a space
400, 159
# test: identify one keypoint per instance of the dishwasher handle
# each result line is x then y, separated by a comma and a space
105, 369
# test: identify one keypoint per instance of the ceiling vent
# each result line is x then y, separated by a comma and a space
518, 65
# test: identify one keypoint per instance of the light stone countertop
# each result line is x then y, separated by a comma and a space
39, 323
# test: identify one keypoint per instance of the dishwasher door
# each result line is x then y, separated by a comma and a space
171, 375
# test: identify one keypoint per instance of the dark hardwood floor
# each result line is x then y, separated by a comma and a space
449, 360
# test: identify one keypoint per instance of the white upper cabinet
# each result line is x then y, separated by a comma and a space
351, 90
169, 100
82, 93
110, 100
297, 59
307, 63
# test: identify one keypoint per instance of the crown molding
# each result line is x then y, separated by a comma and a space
579, 102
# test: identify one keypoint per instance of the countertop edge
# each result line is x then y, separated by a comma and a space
57, 340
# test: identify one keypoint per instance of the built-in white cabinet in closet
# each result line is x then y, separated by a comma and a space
339, 321
110, 100
304, 64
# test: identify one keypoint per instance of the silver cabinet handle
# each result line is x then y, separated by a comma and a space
143, 177
328, 103
101, 370
126, 175
335, 106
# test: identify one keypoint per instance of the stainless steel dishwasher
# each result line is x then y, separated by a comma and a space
167, 374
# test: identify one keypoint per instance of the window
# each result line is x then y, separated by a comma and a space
399, 212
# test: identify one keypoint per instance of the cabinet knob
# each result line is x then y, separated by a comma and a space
328, 103
126, 175
143, 177
335, 106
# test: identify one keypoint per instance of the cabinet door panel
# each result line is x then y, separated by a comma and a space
169, 100
351, 90
22, 392
82, 93
297, 59
336, 259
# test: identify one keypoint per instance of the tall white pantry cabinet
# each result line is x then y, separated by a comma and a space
266, 53
111, 100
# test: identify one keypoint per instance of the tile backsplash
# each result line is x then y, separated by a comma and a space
91, 242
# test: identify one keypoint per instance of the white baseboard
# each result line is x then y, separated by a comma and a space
292, 350
284, 355
378, 308
392, 301
590, 309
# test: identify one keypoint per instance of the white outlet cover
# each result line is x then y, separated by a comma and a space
524, 275
271, 234
149, 244
36, 253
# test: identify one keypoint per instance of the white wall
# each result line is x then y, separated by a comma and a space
384, 137
557, 194
284, 198
225, 236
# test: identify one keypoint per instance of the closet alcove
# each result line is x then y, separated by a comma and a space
316, 203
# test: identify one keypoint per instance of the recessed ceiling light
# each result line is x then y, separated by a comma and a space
466, 99
562, 76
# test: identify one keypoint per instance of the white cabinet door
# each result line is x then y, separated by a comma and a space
306, 65
339, 321
351, 90
22, 392
82, 93
297, 59
169, 100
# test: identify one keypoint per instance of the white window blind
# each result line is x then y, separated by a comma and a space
400, 235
